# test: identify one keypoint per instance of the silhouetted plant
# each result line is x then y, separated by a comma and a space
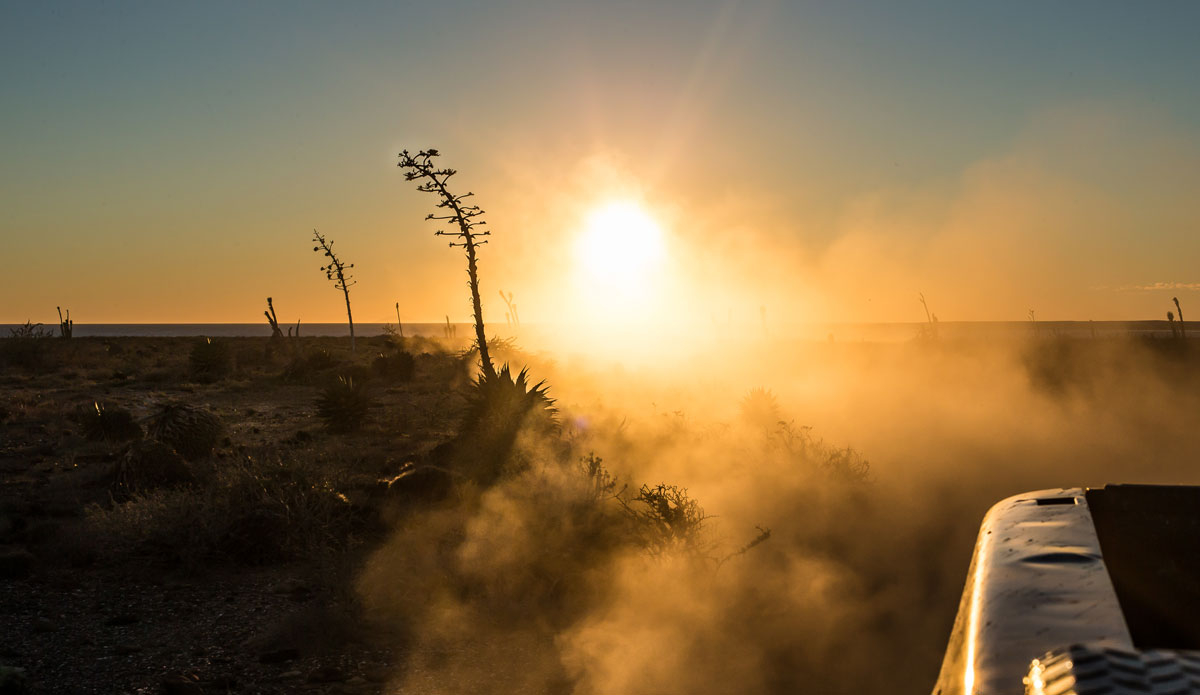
102, 422
24, 347
759, 408
1171, 324
601, 484
502, 401
253, 510
504, 347
399, 366
420, 168
210, 360
65, 325
670, 520
449, 330
28, 331
498, 409
336, 271
148, 465
399, 325
514, 318
930, 330
844, 464
1182, 326
276, 333
344, 405
303, 366
190, 430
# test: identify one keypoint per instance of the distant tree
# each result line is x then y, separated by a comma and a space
420, 168
1182, 329
335, 271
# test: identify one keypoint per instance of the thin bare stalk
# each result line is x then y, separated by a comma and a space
420, 168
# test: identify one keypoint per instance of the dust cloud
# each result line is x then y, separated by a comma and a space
870, 463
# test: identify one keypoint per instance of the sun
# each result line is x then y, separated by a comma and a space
622, 280
621, 245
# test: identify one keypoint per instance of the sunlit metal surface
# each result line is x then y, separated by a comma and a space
1083, 669
1037, 580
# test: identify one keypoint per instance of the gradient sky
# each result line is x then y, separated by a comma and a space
167, 162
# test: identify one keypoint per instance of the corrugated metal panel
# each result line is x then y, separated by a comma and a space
1091, 669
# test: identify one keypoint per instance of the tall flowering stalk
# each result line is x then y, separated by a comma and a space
420, 168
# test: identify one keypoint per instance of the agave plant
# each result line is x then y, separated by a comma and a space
759, 408
503, 402
104, 423
189, 430
344, 405
499, 408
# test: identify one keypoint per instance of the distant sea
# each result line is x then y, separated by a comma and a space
881, 332
229, 330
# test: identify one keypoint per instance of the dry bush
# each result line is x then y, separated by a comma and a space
103, 422
255, 510
210, 360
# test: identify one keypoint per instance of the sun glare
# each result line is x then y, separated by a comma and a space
621, 243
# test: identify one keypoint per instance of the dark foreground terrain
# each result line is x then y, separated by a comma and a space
127, 568
241, 515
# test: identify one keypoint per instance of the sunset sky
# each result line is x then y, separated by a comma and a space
167, 162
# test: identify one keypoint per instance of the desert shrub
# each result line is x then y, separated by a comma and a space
29, 331
304, 366
148, 465
25, 347
210, 360
838, 463
358, 372
102, 422
669, 520
251, 356
190, 430
344, 405
255, 510
396, 367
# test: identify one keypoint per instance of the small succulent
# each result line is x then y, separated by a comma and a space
344, 405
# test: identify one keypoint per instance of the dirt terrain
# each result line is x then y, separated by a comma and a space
185, 516
96, 601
